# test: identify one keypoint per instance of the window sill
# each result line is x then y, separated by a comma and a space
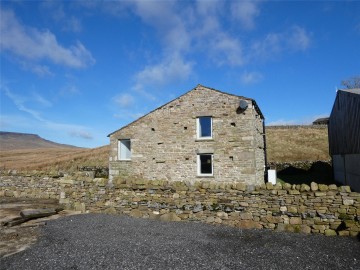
204, 139
125, 160
205, 176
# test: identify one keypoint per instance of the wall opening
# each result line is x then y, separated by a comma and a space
124, 149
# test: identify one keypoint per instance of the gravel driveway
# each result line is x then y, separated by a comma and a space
99, 241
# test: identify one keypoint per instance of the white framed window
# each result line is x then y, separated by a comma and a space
124, 149
204, 127
205, 166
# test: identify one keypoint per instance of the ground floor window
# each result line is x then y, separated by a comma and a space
205, 164
124, 149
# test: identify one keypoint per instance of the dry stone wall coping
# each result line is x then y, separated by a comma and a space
314, 208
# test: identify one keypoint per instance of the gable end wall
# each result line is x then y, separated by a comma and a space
164, 144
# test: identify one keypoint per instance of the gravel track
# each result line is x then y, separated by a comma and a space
100, 241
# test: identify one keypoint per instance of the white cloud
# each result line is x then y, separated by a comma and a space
72, 24
226, 50
189, 29
38, 69
245, 12
270, 46
124, 100
170, 69
41, 100
33, 45
19, 102
127, 115
11, 122
167, 21
298, 38
251, 77
55, 9
69, 90
37, 119
209, 8
293, 39
282, 122
81, 134
306, 120
211, 37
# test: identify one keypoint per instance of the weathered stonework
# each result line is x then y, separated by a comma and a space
164, 143
294, 208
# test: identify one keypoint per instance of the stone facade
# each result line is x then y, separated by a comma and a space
165, 145
324, 209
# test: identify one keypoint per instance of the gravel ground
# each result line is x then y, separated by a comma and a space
99, 241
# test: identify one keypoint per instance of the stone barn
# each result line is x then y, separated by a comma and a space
205, 134
344, 138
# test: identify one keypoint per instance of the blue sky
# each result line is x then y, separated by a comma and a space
75, 71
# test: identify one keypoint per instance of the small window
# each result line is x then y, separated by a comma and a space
124, 149
204, 127
205, 164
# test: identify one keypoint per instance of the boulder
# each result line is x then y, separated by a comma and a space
170, 217
37, 213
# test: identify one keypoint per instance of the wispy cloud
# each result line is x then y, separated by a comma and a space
226, 50
298, 38
11, 122
81, 134
69, 90
251, 77
56, 11
272, 45
245, 12
283, 122
306, 120
32, 45
170, 69
35, 115
126, 115
186, 30
195, 27
124, 100
41, 100
38, 69
19, 102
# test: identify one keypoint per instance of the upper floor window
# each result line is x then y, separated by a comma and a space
124, 149
204, 127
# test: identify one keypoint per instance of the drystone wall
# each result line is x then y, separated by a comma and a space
325, 209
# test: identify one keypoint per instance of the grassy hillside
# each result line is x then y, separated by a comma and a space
53, 159
297, 144
283, 145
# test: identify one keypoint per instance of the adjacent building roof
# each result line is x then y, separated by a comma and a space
354, 90
321, 121
199, 85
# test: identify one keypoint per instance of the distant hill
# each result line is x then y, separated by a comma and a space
16, 141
